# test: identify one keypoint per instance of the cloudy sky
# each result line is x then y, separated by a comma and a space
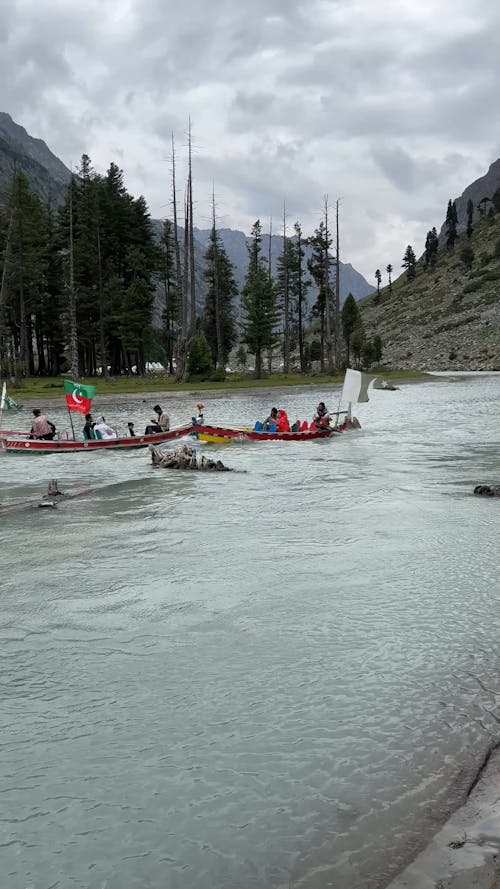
391, 107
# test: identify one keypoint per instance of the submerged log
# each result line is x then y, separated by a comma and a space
487, 490
46, 501
185, 457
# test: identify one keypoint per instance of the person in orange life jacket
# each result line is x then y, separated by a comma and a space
282, 424
322, 417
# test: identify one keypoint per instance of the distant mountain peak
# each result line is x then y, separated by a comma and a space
46, 174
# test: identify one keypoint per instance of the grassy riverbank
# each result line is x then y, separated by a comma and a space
44, 388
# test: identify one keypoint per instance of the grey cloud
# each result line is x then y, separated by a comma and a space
287, 97
397, 166
253, 103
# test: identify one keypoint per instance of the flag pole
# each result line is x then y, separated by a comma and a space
2, 402
71, 421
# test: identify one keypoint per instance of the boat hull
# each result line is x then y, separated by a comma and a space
225, 434
23, 445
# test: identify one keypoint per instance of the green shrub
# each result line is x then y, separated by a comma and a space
218, 375
472, 286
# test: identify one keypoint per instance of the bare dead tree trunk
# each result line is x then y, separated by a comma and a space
73, 333
102, 343
286, 301
180, 345
270, 276
192, 280
326, 285
217, 295
300, 297
337, 291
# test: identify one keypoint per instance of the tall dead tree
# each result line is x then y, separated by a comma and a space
192, 279
326, 285
216, 282
73, 331
270, 275
337, 291
286, 300
102, 342
181, 344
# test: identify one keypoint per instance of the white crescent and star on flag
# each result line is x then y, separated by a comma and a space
75, 393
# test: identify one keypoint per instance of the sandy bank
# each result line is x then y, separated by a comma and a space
465, 854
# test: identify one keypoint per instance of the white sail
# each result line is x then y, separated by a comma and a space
356, 386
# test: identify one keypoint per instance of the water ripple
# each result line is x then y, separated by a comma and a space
281, 677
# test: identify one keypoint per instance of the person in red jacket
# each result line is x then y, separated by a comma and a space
282, 424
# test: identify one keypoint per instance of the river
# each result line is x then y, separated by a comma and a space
284, 676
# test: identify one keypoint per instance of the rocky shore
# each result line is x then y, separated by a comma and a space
465, 854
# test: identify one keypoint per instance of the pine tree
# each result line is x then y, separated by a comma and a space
389, 272
470, 214
258, 303
451, 225
377, 349
409, 262
299, 287
285, 297
378, 278
168, 277
218, 317
321, 243
431, 247
467, 256
351, 322
200, 358
26, 273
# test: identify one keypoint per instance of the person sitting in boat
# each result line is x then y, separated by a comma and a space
272, 418
160, 423
42, 428
282, 424
322, 417
88, 429
102, 430
131, 430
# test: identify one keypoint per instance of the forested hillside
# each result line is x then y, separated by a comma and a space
444, 310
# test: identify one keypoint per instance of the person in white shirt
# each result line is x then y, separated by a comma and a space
104, 430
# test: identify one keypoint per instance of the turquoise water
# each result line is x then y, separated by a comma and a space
281, 676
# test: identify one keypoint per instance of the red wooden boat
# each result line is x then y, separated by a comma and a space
221, 434
19, 443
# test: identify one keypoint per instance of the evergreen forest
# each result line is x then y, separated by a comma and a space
90, 288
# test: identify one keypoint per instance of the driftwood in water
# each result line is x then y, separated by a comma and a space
185, 457
46, 501
487, 490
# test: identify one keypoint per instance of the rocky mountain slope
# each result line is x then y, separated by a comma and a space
447, 317
46, 174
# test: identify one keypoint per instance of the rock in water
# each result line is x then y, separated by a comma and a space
487, 490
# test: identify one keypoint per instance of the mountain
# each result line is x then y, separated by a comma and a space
236, 242
448, 316
480, 193
46, 174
